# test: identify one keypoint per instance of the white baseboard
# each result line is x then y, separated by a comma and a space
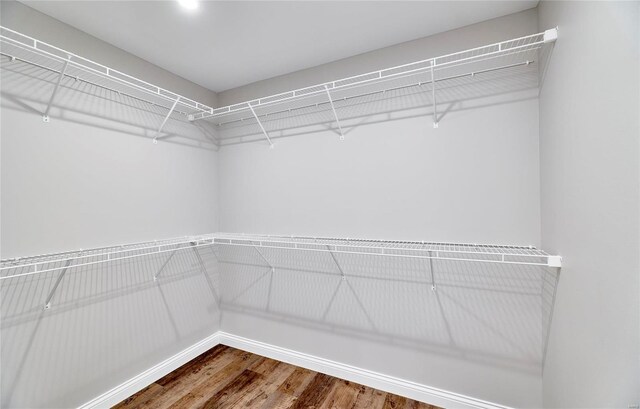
146, 378
375, 380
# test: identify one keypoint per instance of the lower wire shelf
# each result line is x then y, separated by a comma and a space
463, 252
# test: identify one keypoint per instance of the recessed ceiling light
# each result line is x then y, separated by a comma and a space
189, 4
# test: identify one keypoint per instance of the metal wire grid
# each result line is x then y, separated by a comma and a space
87, 102
406, 249
17, 46
404, 94
313, 105
26, 266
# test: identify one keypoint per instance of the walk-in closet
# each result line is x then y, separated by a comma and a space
319, 204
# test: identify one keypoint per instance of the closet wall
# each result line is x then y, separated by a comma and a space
92, 177
474, 179
590, 156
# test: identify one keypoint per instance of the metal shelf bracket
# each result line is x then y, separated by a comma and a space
45, 115
166, 118
333, 108
261, 127
335, 260
47, 303
433, 95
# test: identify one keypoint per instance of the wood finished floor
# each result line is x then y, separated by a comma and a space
225, 377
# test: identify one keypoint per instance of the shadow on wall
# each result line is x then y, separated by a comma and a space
106, 323
28, 87
400, 98
495, 314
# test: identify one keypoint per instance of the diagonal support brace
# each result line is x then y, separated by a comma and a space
45, 115
264, 259
333, 108
166, 118
335, 260
261, 127
47, 303
433, 95
433, 278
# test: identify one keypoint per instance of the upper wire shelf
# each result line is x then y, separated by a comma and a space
27, 266
17, 46
429, 82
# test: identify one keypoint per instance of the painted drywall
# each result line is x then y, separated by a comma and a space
95, 160
92, 177
397, 179
28, 21
475, 35
589, 154
474, 179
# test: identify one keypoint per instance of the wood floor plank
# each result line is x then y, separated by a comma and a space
343, 395
265, 393
194, 366
141, 397
369, 398
394, 402
315, 393
297, 381
179, 387
225, 378
197, 396
232, 392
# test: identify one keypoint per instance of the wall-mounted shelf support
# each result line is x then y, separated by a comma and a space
433, 278
333, 108
166, 118
19, 47
433, 96
45, 115
335, 260
261, 127
47, 303
449, 252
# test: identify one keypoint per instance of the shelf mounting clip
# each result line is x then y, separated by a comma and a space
261, 127
45, 115
335, 115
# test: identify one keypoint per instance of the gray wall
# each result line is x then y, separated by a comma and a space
474, 179
475, 35
92, 177
589, 154
26, 20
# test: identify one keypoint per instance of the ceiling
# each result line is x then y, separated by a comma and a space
226, 44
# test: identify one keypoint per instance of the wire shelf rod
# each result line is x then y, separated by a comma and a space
365, 94
388, 246
35, 46
15, 58
106, 258
514, 255
382, 253
501, 49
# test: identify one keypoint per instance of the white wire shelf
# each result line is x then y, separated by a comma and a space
428, 82
518, 255
17, 46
